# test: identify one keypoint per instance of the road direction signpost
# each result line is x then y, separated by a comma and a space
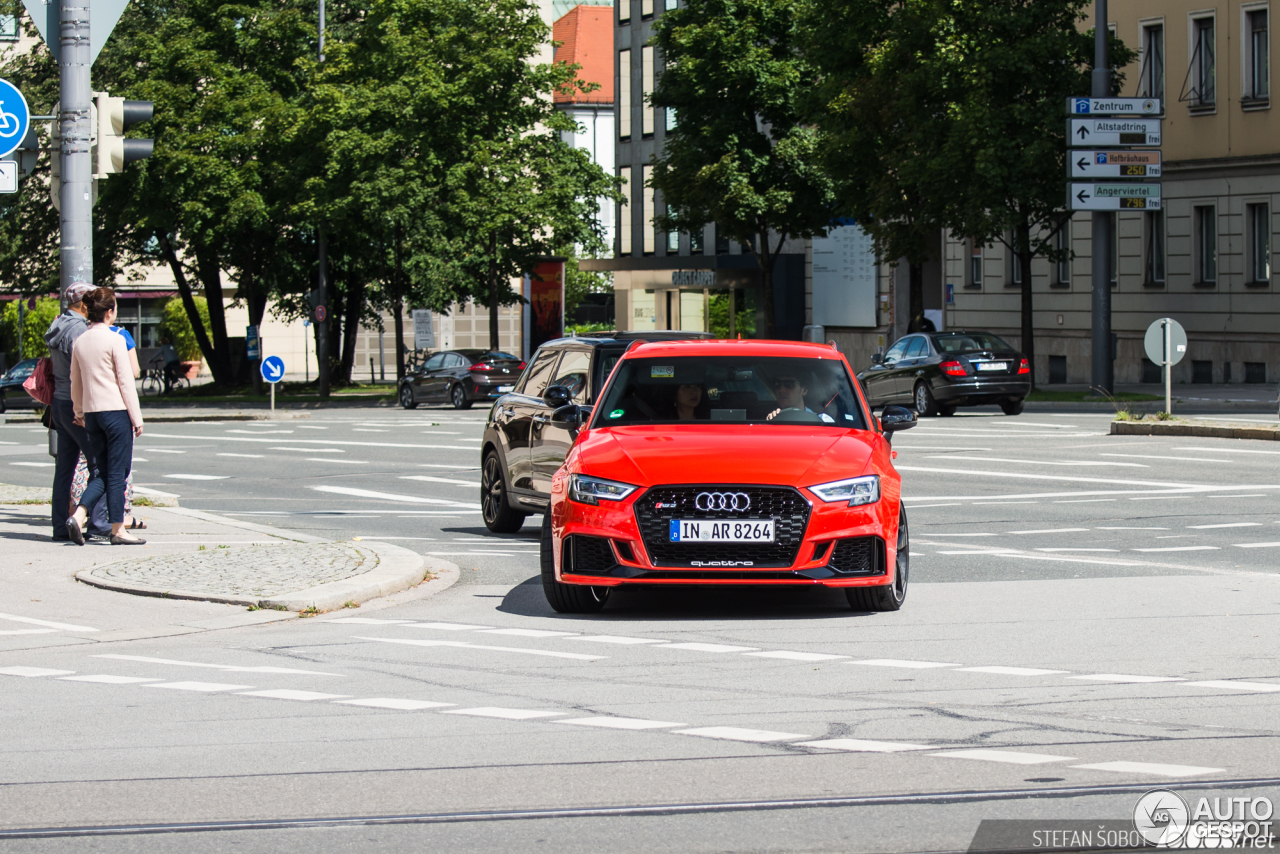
1119, 131
273, 372
1114, 164
1113, 106
1113, 197
1166, 345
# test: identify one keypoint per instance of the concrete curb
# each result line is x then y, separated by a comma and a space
1191, 428
398, 569
151, 417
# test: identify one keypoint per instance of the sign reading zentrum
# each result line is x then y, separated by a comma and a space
1113, 106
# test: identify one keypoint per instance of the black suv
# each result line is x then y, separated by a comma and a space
521, 449
460, 377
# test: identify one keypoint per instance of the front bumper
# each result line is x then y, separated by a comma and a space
603, 546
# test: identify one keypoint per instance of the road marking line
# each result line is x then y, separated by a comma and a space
197, 476
1182, 549
461, 645
526, 633
1130, 528
33, 671
618, 639
1262, 687
1256, 545
1012, 671
737, 734
109, 679
66, 627
1074, 549
226, 668
311, 450
1227, 451
506, 714
1051, 531
35, 465
455, 554
244, 456
336, 460
28, 632
1012, 757
449, 627
1253, 495
1073, 463
289, 694
707, 647
796, 656
160, 451
1150, 768
1226, 525
392, 496
897, 662
939, 534
207, 687
317, 442
978, 552
1181, 459
260, 432
619, 723
427, 479
1122, 678
392, 703
368, 621
857, 745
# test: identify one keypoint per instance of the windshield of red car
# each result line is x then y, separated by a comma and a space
736, 389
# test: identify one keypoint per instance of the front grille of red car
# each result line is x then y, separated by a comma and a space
858, 556
587, 555
785, 505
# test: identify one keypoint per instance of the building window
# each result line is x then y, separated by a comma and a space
1151, 78
1203, 71
8, 28
673, 243
722, 241
670, 119
624, 212
624, 11
1062, 268
1259, 217
695, 242
624, 94
1153, 222
671, 4
1205, 223
646, 83
646, 8
1257, 75
647, 211
1013, 277
973, 274
1115, 249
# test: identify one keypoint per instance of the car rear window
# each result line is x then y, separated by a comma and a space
964, 342
735, 389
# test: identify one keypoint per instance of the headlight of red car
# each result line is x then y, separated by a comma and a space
856, 490
592, 490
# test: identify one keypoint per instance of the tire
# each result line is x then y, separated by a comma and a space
150, 387
407, 400
458, 397
888, 597
566, 598
499, 516
946, 411
1, 402
926, 406
1011, 407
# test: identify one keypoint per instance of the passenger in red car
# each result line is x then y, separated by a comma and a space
689, 403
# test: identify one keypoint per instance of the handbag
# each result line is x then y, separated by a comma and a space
40, 384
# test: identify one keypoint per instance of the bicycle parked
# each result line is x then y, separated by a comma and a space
159, 378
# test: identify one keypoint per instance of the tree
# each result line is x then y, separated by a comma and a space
743, 154
175, 325
34, 325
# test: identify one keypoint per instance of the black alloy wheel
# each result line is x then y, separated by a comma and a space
407, 399
499, 516
887, 597
926, 406
1011, 407
566, 598
458, 397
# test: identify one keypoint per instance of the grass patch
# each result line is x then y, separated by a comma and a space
296, 392
143, 501
27, 501
309, 611
1042, 396
350, 604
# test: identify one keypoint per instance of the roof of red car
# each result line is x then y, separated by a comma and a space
703, 347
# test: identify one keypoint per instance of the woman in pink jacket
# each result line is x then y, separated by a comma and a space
106, 404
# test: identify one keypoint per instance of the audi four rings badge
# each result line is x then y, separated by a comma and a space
735, 501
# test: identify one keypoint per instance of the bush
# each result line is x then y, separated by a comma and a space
34, 326
176, 326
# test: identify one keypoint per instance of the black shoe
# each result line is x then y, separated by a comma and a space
74, 532
61, 538
132, 541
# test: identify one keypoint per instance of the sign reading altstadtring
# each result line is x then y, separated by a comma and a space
844, 277
424, 337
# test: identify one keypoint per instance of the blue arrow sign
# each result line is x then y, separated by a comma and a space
273, 369
15, 117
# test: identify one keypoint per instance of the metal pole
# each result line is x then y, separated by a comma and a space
77, 170
1102, 371
382, 355
22, 319
322, 287
1168, 366
273, 397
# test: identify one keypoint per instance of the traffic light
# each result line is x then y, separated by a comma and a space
115, 116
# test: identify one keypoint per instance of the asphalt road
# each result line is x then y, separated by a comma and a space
1090, 617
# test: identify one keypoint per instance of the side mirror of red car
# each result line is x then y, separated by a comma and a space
895, 418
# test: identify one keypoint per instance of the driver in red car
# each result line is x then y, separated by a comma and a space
727, 462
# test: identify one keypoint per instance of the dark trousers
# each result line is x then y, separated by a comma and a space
72, 441
111, 435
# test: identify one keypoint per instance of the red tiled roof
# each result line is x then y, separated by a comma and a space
586, 37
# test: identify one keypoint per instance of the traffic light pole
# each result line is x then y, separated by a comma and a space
1102, 373
322, 281
76, 191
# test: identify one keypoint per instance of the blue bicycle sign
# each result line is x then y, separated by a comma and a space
15, 117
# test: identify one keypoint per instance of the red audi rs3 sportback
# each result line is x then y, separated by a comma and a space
727, 462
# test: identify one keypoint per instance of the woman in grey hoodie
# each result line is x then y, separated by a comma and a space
72, 439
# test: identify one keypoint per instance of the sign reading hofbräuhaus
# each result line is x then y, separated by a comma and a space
694, 278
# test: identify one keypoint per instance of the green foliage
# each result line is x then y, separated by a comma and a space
34, 325
176, 326
744, 153
718, 320
578, 283
584, 329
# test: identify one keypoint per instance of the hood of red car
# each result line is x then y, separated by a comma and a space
789, 455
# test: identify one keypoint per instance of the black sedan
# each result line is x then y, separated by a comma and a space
461, 377
11, 383
936, 372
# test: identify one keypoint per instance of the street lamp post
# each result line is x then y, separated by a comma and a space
1102, 371
322, 280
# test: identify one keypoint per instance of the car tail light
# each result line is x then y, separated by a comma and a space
520, 367
952, 369
482, 366
1025, 367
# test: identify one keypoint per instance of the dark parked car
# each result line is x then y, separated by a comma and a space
936, 372
11, 383
521, 449
461, 377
